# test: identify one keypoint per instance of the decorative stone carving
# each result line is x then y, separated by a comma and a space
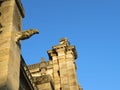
42, 79
25, 34
64, 41
43, 66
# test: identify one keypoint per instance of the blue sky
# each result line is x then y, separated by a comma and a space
93, 26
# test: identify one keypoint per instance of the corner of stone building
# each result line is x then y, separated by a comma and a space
9, 50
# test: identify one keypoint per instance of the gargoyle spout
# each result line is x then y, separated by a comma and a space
26, 34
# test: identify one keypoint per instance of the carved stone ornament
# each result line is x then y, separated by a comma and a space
64, 41
43, 63
42, 79
25, 34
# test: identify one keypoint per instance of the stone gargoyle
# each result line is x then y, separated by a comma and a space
22, 35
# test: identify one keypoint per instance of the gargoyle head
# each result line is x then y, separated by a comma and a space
34, 31
26, 34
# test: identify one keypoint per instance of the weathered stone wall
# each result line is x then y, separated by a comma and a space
45, 86
10, 20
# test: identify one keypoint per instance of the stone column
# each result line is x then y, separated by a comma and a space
56, 76
71, 67
63, 68
11, 14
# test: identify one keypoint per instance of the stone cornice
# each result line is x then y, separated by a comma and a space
33, 66
37, 65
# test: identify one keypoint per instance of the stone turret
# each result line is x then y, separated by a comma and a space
63, 57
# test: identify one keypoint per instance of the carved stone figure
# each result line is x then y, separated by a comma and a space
26, 34
64, 41
43, 66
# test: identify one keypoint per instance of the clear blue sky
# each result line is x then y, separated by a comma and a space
93, 26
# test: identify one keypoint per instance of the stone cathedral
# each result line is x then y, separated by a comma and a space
57, 73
